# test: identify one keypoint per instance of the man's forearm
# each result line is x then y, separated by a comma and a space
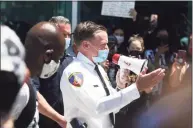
46, 109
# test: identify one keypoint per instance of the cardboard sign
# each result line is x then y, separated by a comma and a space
117, 9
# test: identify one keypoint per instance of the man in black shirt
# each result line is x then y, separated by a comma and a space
49, 86
44, 46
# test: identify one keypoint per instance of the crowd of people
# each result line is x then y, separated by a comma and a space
153, 44
56, 78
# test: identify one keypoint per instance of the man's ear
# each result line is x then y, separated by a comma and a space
75, 48
85, 45
48, 55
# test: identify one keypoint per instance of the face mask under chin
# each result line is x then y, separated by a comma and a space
49, 69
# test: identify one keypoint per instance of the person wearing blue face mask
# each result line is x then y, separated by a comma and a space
85, 85
65, 27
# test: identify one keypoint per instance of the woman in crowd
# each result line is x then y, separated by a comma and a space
128, 113
121, 44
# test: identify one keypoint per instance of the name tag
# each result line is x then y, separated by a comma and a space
95, 85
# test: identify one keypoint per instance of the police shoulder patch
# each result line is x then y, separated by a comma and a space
76, 79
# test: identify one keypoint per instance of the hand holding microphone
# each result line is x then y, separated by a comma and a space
122, 81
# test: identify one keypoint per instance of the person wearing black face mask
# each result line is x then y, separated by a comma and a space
128, 113
136, 46
136, 49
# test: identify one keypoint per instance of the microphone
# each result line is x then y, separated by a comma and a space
133, 64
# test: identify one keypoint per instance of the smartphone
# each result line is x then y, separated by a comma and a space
181, 56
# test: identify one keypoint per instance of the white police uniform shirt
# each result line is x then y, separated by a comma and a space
85, 97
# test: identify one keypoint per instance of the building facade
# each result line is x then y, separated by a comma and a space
32, 12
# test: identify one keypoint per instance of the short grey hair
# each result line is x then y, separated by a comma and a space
86, 30
59, 19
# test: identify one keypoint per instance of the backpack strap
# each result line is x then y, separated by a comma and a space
28, 112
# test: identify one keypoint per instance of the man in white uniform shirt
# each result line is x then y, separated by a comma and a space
85, 86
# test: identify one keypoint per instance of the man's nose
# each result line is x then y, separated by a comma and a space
106, 47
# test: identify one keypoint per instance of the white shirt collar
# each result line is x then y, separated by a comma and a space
85, 60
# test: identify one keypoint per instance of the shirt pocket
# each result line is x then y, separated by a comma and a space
96, 90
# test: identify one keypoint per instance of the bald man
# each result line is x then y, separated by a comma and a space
49, 86
44, 47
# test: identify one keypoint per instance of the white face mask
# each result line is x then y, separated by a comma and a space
120, 39
67, 43
49, 69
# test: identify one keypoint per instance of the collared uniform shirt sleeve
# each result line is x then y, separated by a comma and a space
127, 95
